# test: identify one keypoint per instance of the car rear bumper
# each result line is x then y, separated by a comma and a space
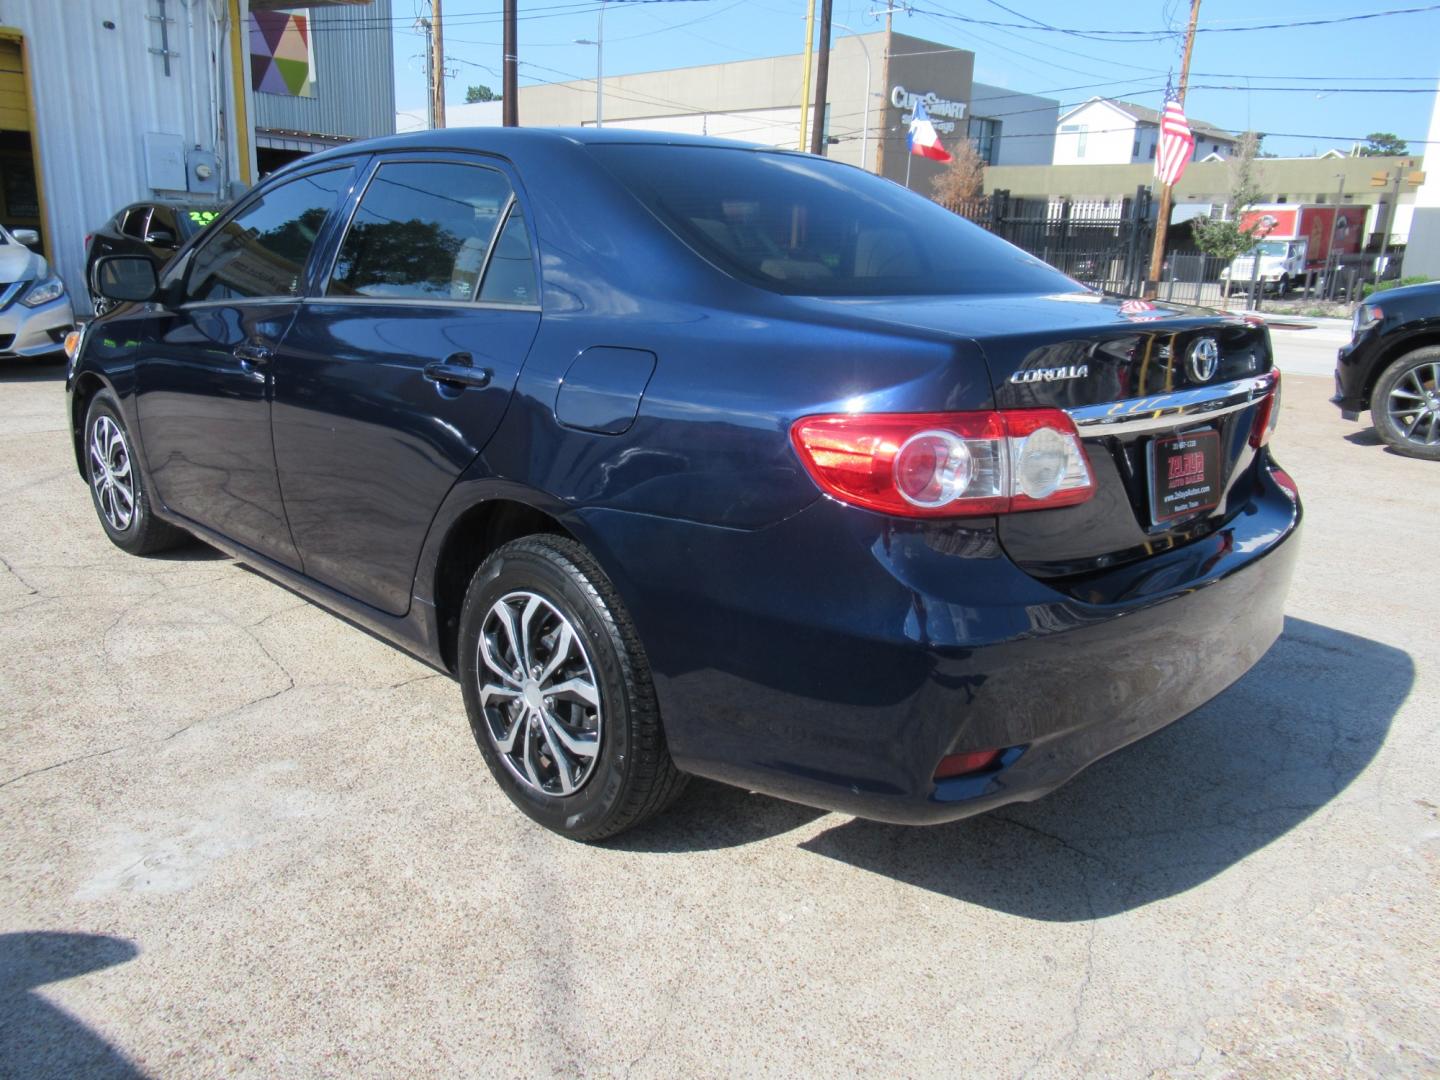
841, 682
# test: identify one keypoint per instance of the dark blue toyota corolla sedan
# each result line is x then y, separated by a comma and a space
688, 457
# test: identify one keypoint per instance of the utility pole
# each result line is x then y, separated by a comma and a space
437, 67
424, 26
822, 81
1162, 222
805, 77
599, 43
509, 88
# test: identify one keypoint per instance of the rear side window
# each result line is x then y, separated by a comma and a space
136, 220
510, 277
421, 232
262, 251
797, 224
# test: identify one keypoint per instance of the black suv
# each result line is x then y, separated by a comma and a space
155, 230
1392, 367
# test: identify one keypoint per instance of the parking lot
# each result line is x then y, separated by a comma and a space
243, 838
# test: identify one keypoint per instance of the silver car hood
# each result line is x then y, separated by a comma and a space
19, 263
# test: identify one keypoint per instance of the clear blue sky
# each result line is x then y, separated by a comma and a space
1336, 68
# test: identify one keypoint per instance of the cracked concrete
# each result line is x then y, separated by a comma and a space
242, 838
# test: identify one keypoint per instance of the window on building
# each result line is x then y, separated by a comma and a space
1135, 150
421, 232
1152, 150
1080, 131
1282, 198
985, 134
262, 250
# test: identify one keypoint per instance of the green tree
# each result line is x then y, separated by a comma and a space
479, 93
1226, 239
1384, 144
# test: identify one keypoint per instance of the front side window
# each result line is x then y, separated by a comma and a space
792, 223
421, 232
262, 251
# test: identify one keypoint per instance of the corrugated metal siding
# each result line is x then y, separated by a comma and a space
97, 92
355, 88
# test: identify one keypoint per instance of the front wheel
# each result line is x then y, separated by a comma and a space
1405, 404
559, 693
117, 485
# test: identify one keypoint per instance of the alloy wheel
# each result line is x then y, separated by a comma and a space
111, 474
1414, 405
539, 694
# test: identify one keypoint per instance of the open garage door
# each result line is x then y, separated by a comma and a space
19, 180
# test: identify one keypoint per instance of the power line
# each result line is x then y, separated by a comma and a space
1143, 36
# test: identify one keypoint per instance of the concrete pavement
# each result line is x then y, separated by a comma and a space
242, 838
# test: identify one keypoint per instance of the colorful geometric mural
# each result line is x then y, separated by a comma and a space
282, 56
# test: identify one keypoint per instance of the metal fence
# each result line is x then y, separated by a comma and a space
1107, 245
1104, 244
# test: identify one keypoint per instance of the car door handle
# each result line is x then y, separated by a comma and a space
457, 374
253, 353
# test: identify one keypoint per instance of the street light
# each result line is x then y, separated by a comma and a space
865, 116
599, 43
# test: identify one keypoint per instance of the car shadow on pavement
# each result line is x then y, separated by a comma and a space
710, 816
45, 370
1364, 437
1168, 813
38, 1040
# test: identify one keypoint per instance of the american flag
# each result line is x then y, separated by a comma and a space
1177, 142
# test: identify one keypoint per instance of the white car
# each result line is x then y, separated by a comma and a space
35, 309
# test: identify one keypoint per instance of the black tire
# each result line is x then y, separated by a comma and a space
141, 533
631, 777
1414, 378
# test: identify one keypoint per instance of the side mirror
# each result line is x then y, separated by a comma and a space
161, 238
28, 237
126, 278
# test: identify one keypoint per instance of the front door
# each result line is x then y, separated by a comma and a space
205, 373
392, 380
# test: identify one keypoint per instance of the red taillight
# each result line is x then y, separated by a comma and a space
947, 464
963, 764
1267, 416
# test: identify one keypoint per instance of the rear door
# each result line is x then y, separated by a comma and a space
398, 370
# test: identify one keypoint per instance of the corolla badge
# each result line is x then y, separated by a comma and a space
1050, 374
1203, 358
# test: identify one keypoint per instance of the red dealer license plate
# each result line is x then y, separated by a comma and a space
1184, 475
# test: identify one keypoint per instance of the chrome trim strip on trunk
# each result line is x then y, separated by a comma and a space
1158, 412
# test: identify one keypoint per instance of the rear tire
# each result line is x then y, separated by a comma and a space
117, 484
559, 692
1405, 404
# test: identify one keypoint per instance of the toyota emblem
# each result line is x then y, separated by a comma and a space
1203, 358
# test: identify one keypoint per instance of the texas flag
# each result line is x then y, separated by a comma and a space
923, 139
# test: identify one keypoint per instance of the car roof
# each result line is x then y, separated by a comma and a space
510, 140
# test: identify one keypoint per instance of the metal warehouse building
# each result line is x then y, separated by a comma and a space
108, 102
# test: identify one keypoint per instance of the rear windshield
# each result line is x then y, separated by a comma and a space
803, 225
